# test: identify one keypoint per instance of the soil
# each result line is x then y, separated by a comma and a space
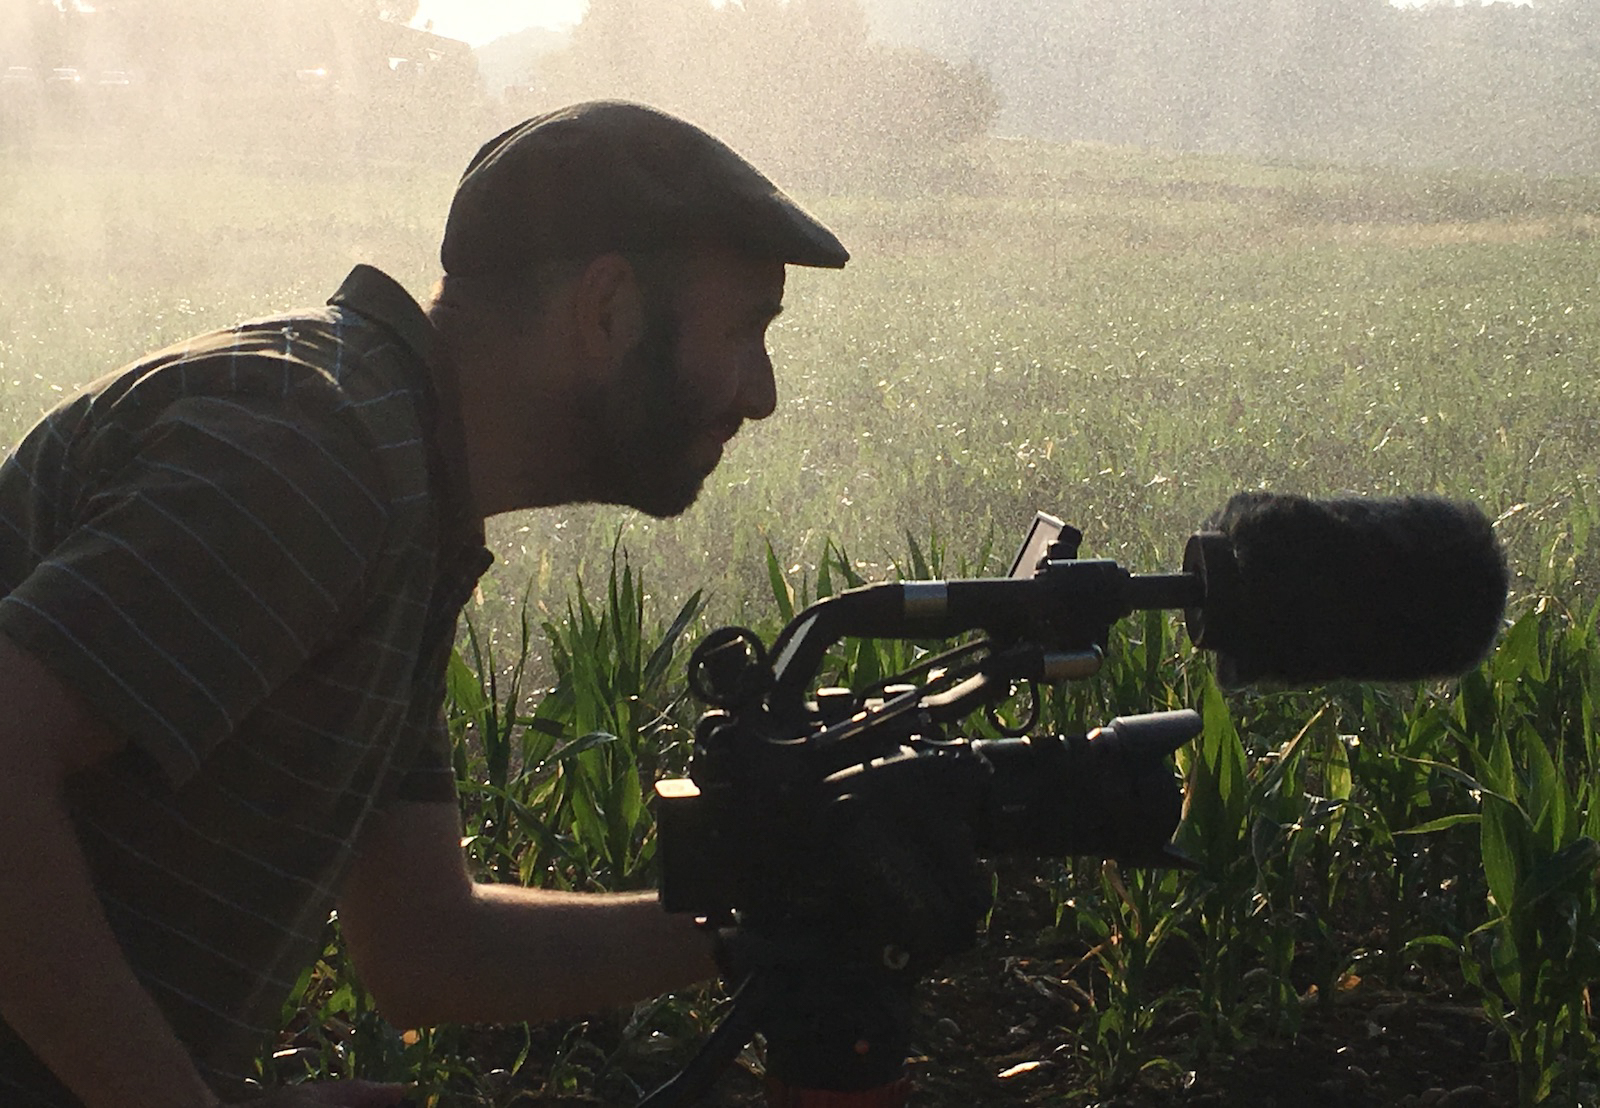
998, 1028
992, 1038
1006, 1042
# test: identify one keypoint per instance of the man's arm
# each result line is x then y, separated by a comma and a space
433, 947
65, 986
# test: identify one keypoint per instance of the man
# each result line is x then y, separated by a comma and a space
232, 574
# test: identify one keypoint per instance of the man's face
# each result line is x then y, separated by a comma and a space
699, 371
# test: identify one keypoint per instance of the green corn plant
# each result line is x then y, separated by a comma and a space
485, 713
1326, 861
1285, 828
1216, 835
1262, 828
1399, 765
790, 597
1537, 956
615, 700
1128, 919
556, 793
1540, 949
332, 1029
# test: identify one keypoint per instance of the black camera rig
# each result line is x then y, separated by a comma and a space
831, 836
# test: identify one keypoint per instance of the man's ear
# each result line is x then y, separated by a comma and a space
608, 307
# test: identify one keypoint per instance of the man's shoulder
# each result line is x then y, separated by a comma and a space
333, 385
371, 337
313, 364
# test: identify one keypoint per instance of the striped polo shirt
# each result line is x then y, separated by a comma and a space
248, 553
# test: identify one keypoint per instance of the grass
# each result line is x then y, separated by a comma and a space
1121, 338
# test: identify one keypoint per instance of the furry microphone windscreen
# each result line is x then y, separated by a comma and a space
1301, 591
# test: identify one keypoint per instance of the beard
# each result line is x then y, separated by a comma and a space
647, 432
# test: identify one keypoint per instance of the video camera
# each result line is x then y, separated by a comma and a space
831, 835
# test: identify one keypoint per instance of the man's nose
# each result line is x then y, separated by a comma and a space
758, 389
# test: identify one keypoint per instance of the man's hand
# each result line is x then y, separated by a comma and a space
334, 1094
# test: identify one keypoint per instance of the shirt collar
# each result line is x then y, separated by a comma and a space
374, 294
379, 297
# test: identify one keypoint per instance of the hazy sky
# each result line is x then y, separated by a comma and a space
479, 21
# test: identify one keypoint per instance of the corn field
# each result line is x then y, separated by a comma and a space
1118, 337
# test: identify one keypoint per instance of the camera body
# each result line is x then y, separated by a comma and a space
783, 780
755, 838
833, 838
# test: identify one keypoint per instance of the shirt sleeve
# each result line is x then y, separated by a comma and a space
208, 562
430, 777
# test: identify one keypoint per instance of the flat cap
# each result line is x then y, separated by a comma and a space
612, 175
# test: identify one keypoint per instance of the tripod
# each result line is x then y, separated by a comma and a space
837, 1037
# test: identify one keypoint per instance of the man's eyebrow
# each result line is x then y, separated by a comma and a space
766, 311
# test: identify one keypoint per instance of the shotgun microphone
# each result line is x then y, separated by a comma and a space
1301, 591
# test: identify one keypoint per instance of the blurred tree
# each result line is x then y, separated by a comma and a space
797, 84
18, 36
1326, 66
388, 11
1516, 85
1362, 80
307, 77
